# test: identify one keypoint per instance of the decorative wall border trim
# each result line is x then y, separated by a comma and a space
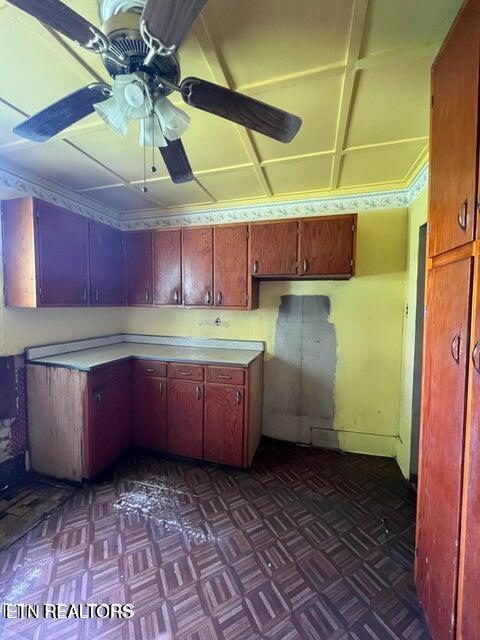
25, 183
30, 185
296, 209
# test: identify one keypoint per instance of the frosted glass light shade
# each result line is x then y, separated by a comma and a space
112, 115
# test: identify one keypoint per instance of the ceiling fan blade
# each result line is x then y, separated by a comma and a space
170, 20
248, 112
58, 16
61, 115
177, 162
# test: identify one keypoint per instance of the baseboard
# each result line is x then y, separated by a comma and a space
354, 442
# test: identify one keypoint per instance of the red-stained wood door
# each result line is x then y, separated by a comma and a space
150, 413
224, 424
139, 268
185, 418
167, 267
62, 256
197, 255
273, 249
230, 266
107, 282
326, 246
469, 574
111, 428
442, 443
454, 133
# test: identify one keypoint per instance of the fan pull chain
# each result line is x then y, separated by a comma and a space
153, 168
144, 188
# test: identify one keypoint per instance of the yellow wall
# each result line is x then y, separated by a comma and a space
417, 216
367, 314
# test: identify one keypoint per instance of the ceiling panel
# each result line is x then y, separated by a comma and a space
171, 195
308, 174
393, 24
391, 103
121, 155
232, 185
63, 164
381, 164
316, 102
292, 55
212, 142
124, 198
271, 38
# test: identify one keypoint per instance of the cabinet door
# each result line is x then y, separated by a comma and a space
230, 266
454, 124
167, 267
139, 268
326, 246
442, 443
111, 423
106, 266
273, 249
150, 413
224, 424
197, 247
469, 602
185, 419
62, 256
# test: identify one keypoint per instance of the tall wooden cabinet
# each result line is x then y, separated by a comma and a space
447, 565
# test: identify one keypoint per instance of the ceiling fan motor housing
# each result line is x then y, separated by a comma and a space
123, 32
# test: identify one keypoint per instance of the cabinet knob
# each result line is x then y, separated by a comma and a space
176, 297
97, 295
160, 387
462, 216
98, 400
239, 396
255, 266
147, 296
209, 297
84, 294
199, 393
305, 266
219, 297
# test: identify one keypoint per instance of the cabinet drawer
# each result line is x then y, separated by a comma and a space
186, 372
226, 375
150, 368
109, 374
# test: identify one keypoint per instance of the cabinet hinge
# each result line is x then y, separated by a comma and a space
248, 235
39, 291
429, 227
247, 298
431, 101
298, 229
352, 262
416, 551
353, 227
425, 312
37, 213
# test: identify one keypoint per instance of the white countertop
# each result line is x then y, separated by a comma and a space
88, 359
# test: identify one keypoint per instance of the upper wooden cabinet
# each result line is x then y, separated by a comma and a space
45, 255
326, 246
273, 249
167, 267
139, 268
197, 255
230, 266
454, 135
106, 266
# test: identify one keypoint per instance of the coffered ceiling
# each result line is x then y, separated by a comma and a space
356, 71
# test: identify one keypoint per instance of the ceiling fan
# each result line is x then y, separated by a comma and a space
138, 44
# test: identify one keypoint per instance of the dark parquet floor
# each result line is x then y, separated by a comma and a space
308, 544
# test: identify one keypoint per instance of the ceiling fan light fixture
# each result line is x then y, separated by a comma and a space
112, 115
165, 124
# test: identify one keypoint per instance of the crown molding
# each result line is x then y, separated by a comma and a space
25, 184
393, 199
21, 184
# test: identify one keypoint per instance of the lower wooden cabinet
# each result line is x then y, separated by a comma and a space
81, 422
150, 413
224, 424
185, 419
110, 428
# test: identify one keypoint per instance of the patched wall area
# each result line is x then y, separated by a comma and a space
299, 395
13, 410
